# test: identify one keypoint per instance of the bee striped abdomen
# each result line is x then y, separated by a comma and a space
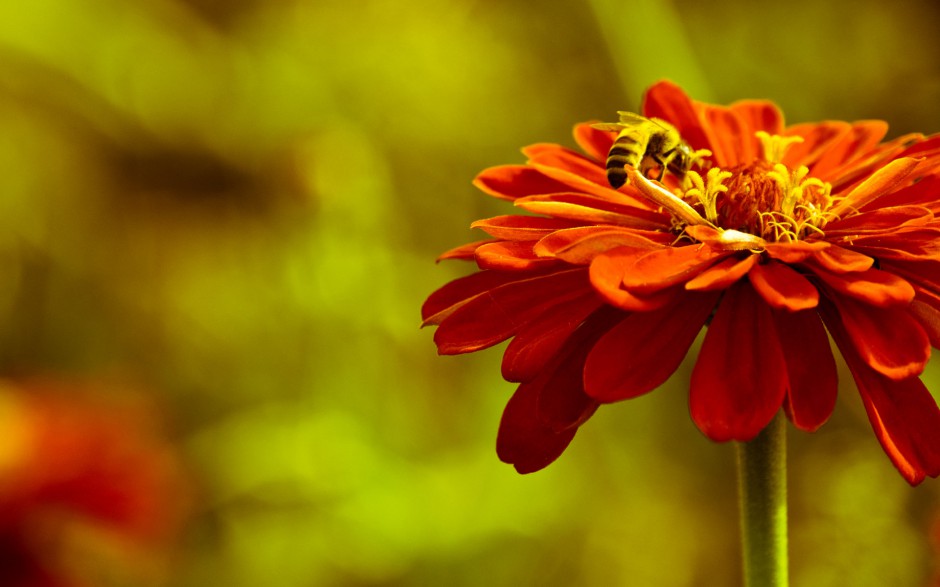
626, 150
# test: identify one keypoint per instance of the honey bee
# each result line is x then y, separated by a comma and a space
647, 144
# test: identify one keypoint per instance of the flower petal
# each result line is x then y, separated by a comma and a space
642, 351
448, 298
759, 115
607, 272
860, 139
904, 416
580, 246
465, 252
795, 251
508, 182
914, 244
594, 142
730, 137
811, 369
782, 287
889, 340
538, 341
586, 208
510, 256
840, 260
740, 378
515, 227
667, 101
496, 314
659, 269
882, 182
879, 221
721, 275
875, 287
523, 440
817, 138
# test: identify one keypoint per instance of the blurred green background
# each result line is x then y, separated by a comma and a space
238, 203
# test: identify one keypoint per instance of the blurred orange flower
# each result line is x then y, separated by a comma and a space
793, 231
89, 491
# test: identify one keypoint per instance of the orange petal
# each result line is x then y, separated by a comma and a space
875, 287
817, 138
511, 256
667, 101
515, 227
590, 209
740, 378
580, 245
796, 251
888, 178
560, 158
595, 143
782, 287
509, 182
923, 193
879, 220
841, 260
721, 275
811, 369
861, 138
465, 252
662, 268
607, 272
759, 115
643, 350
889, 340
730, 137
928, 315
914, 244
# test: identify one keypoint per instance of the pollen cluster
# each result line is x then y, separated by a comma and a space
763, 198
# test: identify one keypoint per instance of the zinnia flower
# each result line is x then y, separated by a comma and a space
780, 235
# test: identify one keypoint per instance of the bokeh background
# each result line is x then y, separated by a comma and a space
232, 208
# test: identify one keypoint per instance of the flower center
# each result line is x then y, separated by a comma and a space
763, 198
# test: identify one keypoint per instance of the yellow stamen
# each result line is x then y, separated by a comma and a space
707, 193
776, 146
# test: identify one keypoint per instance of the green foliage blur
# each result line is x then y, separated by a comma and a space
239, 203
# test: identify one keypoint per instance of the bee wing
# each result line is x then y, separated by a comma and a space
631, 118
609, 126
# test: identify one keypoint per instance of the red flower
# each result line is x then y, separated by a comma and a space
88, 490
793, 232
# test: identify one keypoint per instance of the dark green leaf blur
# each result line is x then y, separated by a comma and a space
237, 204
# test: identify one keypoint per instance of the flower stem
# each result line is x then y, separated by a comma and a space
762, 491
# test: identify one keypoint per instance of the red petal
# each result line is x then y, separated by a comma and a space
641, 352
928, 314
522, 228
581, 245
607, 272
667, 101
923, 193
509, 182
524, 441
510, 256
860, 139
811, 370
662, 268
903, 414
817, 139
595, 143
561, 158
445, 300
740, 378
782, 287
914, 244
890, 340
537, 342
875, 287
499, 313
723, 274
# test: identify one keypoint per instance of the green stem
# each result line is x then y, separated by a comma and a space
762, 490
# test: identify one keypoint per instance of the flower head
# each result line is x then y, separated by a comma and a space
778, 236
